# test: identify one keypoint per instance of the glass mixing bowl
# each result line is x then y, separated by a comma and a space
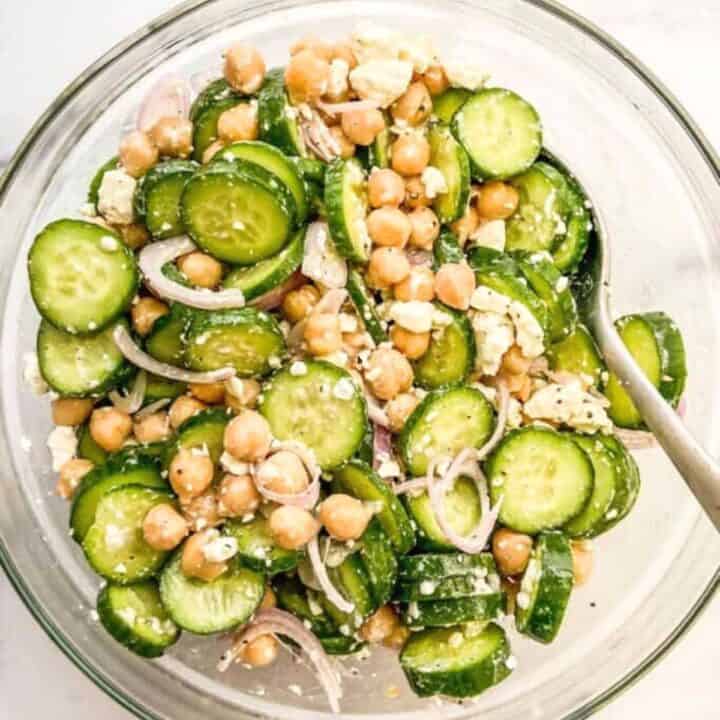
655, 180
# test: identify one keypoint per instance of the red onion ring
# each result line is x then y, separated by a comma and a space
318, 137
139, 357
279, 622
169, 97
274, 298
419, 258
133, 401
333, 595
151, 260
382, 444
153, 407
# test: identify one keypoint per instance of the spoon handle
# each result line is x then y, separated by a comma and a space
700, 472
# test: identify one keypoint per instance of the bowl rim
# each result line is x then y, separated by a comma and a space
575, 20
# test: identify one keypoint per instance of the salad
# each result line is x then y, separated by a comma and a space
319, 372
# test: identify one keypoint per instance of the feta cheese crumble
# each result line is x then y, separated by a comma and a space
322, 262
338, 81
414, 315
494, 336
62, 443
115, 197
463, 71
220, 548
434, 182
490, 234
382, 81
233, 466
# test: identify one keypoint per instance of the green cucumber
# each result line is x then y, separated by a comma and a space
277, 118
545, 588
578, 354
438, 566
341, 644
213, 93
346, 205
82, 276
257, 549
447, 249
500, 131
135, 617
451, 355
205, 429
205, 124
92, 196
247, 339
320, 407
460, 661
88, 448
159, 388
444, 613
570, 249
377, 153
448, 156
475, 582
305, 604
311, 169
443, 424
488, 260
365, 306
78, 366
378, 557
237, 211
543, 477
447, 103
166, 341
352, 580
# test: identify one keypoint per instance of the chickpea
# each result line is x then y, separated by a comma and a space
323, 334
380, 625
389, 227
345, 145
210, 393
466, 225
269, 599
152, 428
425, 228
497, 200
201, 269
164, 528
137, 153
71, 473
261, 651
190, 474
411, 345
173, 136
436, 80
385, 187
388, 373
247, 437
511, 551
454, 285
319, 47
414, 106
523, 393
583, 561
110, 428
244, 68
307, 76
399, 409
292, 527
71, 411
388, 266
343, 51
237, 496
283, 473
353, 342
410, 154
418, 285
344, 517
362, 126
298, 303
514, 362
194, 563
145, 312
415, 195
397, 638
241, 394
183, 408
212, 150
202, 512
134, 235
239, 123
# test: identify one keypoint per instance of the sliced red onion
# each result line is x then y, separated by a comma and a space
539, 366
414, 485
344, 107
153, 407
419, 258
333, 595
296, 336
635, 439
382, 444
169, 97
279, 622
133, 401
503, 405
318, 137
141, 359
274, 298
151, 260
331, 302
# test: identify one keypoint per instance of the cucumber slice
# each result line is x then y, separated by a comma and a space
205, 131
305, 604
570, 250
545, 588
274, 161
213, 93
364, 303
377, 153
257, 549
311, 169
447, 249
256, 280
488, 260
135, 617
500, 131
205, 429
277, 118
460, 661
447, 103
554, 290
166, 341
451, 354
78, 366
82, 276
352, 580
341, 644
312, 408
157, 197
346, 205
544, 478
237, 212
444, 423
448, 156
124, 469
204, 608
451, 587
92, 196
365, 451
88, 448
462, 508
578, 354
655, 342
361, 481
444, 613
381, 565
439, 566
247, 339
159, 388
114, 544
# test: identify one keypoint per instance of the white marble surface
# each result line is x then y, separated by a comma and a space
44, 44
